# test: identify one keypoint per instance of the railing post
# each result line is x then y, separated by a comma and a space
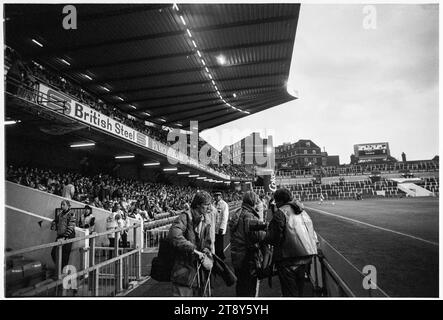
119, 276
59, 261
96, 291
118, 269
134, 233
93, 274
138, 258
323, 277
117, 239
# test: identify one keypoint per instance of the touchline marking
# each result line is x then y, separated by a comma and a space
373, 226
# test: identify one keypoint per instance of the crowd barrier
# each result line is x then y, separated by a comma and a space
154, 231
98, 276
332, 275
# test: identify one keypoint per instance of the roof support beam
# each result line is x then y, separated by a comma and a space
243, 107
179, 55
196, 94
277, 102
19, 23
181, 110
174, 72
168, 34
185, 84
162, 106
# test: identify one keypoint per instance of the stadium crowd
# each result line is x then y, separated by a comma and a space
110, 193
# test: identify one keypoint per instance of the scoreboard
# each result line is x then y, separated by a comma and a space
372, 151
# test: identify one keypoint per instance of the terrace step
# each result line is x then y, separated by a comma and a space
413, 190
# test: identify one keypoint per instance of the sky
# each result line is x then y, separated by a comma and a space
356, 85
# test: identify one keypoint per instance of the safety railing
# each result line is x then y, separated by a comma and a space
159, 223
156, 230
332, 275
104, 271
152, 238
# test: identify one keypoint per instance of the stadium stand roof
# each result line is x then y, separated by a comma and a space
151, 56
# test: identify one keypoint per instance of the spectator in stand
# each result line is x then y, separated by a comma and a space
153, 209
68, 189
87, 220
124, 204
97, 203
123, 222
138, 213
156, 197
111, 224
64, 225
143, 212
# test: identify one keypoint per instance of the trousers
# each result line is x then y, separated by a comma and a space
247, 284
66, 252
220, 246
292, 279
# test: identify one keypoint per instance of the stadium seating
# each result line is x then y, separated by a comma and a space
431, 184
364, 169
345, 190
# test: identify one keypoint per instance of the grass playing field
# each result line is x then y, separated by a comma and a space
397, 236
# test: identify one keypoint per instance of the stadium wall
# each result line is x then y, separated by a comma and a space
24, 230
43, 205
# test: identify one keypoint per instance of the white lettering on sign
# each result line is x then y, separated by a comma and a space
77, 110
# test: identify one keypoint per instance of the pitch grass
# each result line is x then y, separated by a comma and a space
406, 267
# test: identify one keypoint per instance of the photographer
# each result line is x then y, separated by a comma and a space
243, 241
292, 234
190, 235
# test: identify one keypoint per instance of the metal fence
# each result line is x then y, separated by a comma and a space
152, 238
105, 271
156, 230
332, 275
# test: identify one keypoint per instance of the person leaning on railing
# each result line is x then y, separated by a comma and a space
64, 225
190, 235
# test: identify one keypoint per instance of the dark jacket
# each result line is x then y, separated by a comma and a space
242, 241
275, 236
65, 224
185, 239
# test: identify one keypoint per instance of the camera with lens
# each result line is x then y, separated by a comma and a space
256, 225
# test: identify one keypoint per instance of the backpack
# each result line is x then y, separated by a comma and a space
162, 265
299, 238
264, 264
